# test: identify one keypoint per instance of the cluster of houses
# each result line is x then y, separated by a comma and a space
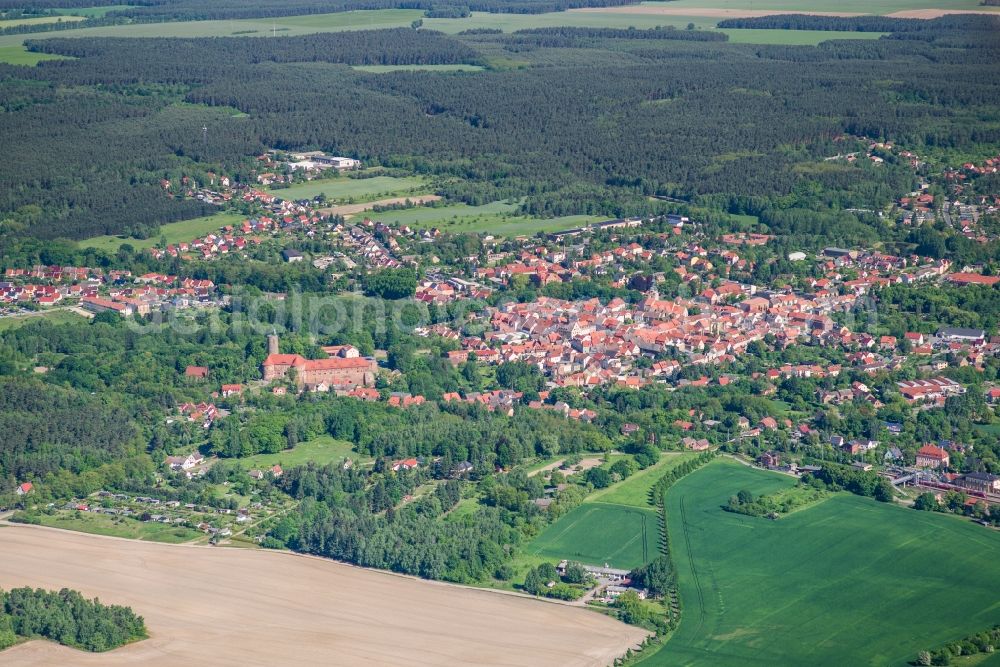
275, 471
98, 291
442, 290
200, 413
185, 463
932, 392
610, 582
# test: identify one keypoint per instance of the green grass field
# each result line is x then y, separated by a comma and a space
360, 189
51, 316
496, 218
321, 450
634, 491
598, 533
17, 55
845, 582
100, 524
174, 232
90, 11
382, 69
794, 37
13, 23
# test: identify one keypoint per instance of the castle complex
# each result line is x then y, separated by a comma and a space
344, 369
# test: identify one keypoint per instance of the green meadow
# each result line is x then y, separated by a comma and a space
17, 55
362, 189
14, 23
848, 581
90, 12
635, 491
321, 450
793, 37
51, 316
101, 524
597, 533
497, 218
174, 232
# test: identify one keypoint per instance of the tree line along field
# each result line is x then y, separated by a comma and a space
617, 525
846, 582
635, 491
289, 26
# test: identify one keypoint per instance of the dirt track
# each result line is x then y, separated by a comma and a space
584, 464
351, 209
215, 606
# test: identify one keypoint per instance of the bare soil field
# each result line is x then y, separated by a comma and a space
217, 606
938, 13
351, 209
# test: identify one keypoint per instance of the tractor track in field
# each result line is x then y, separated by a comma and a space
694, 572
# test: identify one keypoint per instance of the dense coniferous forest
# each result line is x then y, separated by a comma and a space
340, 520
190, 10
46, 429
847, 23
590, 130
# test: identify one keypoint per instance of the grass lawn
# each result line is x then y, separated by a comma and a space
634, 491
381, 69
497, 218
51, 316
848, 581
597, 533
174, 232
18, 55
90, 12
100, 524
13, 23
793, 37
362, 189
321, 450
